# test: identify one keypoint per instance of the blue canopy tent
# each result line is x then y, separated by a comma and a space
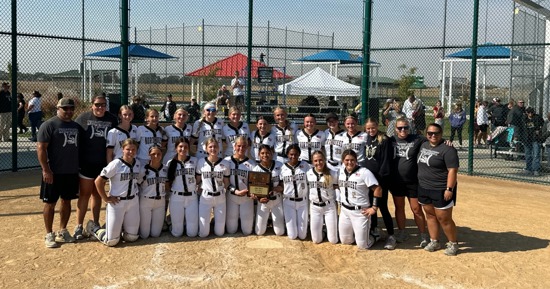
135, 52
487, 55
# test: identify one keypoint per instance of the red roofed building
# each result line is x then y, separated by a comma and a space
227, 67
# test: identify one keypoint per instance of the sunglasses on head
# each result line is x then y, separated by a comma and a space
432, 133
400, 128
100, 104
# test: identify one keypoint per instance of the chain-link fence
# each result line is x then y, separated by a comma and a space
416, 46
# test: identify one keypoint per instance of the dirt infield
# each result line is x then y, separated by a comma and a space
503, 233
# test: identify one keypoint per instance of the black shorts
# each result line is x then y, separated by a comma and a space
64, 186
435, 197
483, 128
91, 171
404, 190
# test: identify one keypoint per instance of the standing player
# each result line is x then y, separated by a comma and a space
175, 132
353, 139
262, 135
333, 145
122, 202
273, 203
293, 174
285, 131
150, 134
234, 129
214, 179
182, 180
152, 193
208, 126
355, 183
57, 151
309, 138
93, 150
239, 204
323, 183
122, 132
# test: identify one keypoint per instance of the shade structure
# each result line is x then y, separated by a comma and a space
134, 51
333, 55
319, 83
237, 62
491, 51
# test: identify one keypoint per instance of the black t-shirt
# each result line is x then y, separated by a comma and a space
403, 165
94, 140
433, 164
63, 144
5, 101
378, 156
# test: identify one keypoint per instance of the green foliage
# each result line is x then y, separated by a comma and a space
211, 83
406, 81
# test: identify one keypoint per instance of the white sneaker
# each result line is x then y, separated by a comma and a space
452, 249
432, 246
91, 228
49, 240
63, 236
390, 243
424, 240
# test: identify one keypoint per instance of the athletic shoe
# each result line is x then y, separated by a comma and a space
452, 248
63, 236
49, 240
401, 236
78, 232
390, 243
432, 246
375, 233
91, 227
424, 240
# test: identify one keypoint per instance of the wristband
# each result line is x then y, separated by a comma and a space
450, 189
231, 189
376, 201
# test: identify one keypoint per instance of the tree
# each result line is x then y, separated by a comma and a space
406, 80
149, 78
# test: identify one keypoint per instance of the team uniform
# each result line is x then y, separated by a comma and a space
116, 136
184, 202
354, 195
93, 149
123, 183
212, 195
173, 133
148, 137
295, 201
274, 205
334, 149
356, 143
310, 143
239, 206
231, 133
257, 139
151, 204
285, 137
203, 130
323, 207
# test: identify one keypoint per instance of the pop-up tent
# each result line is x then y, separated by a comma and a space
318, 82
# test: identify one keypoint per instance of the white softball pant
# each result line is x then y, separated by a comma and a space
242, 207
352, 222
327, 213
184, 209
206, 205
275, 207
123, 215
151, 217
296, 218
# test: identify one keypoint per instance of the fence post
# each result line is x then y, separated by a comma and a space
473, 83
249, 61
14, 71
366, 61
124, 52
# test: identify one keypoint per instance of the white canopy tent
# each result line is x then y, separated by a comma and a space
319, 83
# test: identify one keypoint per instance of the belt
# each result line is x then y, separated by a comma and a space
214, 194
334, 163
126, 198
183, 193
296, 199
351, 207
154, 198
321, 204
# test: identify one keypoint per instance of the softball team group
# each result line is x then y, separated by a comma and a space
332, 182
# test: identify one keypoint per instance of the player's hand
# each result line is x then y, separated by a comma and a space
264, 200
112, 200
47, 176
447, 195
241, 192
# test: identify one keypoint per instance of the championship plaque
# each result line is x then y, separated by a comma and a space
259, 184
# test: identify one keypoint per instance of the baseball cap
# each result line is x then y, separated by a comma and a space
331, 115
65, 102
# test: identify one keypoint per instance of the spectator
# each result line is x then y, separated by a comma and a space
194, 110
533, 139
332, 106
5, 112
168, 108
457, 119
546, 136
521, 105
439, 113
482, 122
310, 104
413, 108
138, 109
497, 113
388, 106
21, 113
222, 100
392, 113
35, 113
237, 84
515, 119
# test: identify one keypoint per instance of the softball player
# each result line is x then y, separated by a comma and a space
175, 132
149, 135
323, 183
214, 179
285, 132
273, 203
353, 139
184, 202
333, 145
310, 139
234, 129
354, 182
239, 204
262, 135
208, 126
122, 204
152, 194
293, 174
119, 134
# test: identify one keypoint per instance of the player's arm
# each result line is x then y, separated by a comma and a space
42, 152
110, 154
451, 183
377, 195
100, 182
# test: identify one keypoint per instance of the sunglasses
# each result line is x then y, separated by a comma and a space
400, 128
100, 104
66, 108
432, 133
211, 110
